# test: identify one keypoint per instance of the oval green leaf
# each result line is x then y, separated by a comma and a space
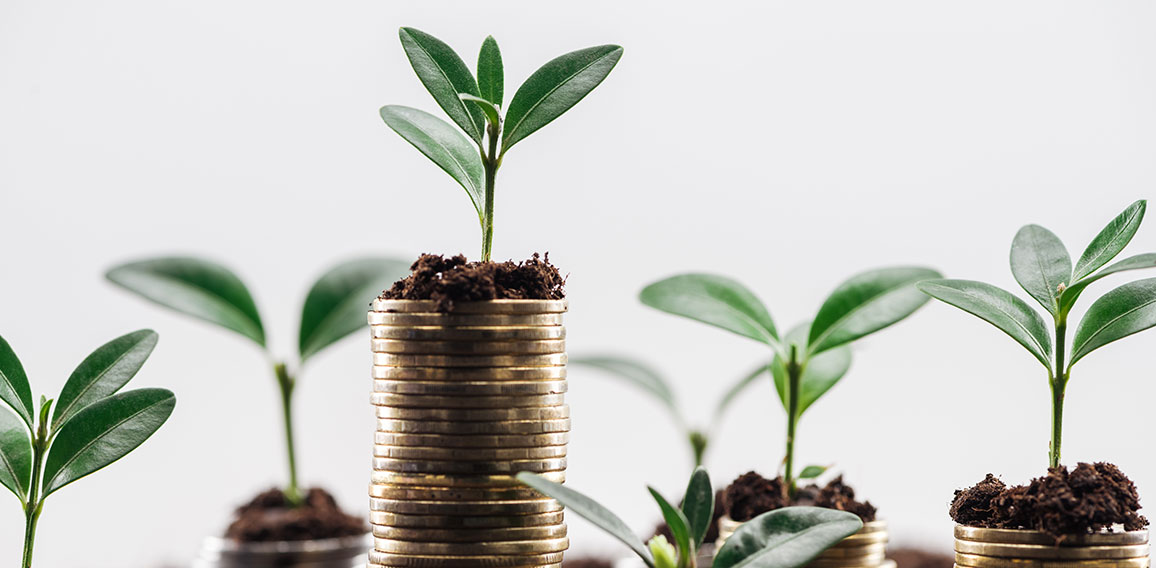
14, 388
1138, 262
998, 307
812, 471
443, 145
698, 505
786, 538
556, 87
1129, 309
1111, 240
715, 300
197, 287
678, 524
866, 303
492, 112
336, 304
590, 510
444, 75
104, 432
636, 373
822, 372
1041, 265
15, 455
491, 74
736, 389
103, 373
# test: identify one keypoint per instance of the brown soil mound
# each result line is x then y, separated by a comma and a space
1089, 498
752, 495
268, 517
450, 280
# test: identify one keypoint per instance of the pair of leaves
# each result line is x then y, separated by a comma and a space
334, 307
821, 373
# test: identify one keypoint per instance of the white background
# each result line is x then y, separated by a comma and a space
789, 144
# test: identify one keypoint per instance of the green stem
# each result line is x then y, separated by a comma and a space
491, 160
1059, 383
286, 383
698, 443
35, 504
794, 376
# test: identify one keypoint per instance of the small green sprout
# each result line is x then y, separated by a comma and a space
1042, 266
784, 538
89, 426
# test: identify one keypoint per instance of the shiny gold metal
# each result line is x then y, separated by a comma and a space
403, 346
468, 428
386, 559
1045, 552
463, 522
423, 401
460, 320
470, 535
514, 547
977, 561
470, 388
476, 333
452, 493
474, 442
470, 374
379, 477
469, 467
475, 414
395, 360
452, 562
469, 508
468, 454
1008, 536
480, 307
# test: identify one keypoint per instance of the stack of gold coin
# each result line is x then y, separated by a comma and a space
1002, 548
465, 400
864, 549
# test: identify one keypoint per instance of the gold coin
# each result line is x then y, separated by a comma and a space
860, 539
463, 522
469, 467
869, 561
471, 442
475, 414
852, 552
470, 388
976, 561
476, 333
475, 374
470, 535
516, 547
394, 360
452, 493
873, 527
1045, 552
423, 401
468, 320
476, 307
389, 560
468, 454
379, 477
403, 346
1007, 536
470, 508
469, 428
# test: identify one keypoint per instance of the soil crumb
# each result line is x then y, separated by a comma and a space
1089, 498
588, 562
450, 280
268, 517
920, 558
752, 495
711, 531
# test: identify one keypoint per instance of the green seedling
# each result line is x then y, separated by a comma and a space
785, 538
815, 355
89, 426
476, 107
334, 308
1043, 267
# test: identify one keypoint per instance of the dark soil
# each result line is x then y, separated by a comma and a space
752, 495
588, 562
450, 280
268, 517
1089, 498
920, 558
711, 532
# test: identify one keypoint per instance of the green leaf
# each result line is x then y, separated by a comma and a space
738, 388
678, 524
14, 388
103, 373
337, 302
15, 455
554, 88
491, 78
444, 75
1072, 293
638, 374
822, 372
104, 432
1111, 240
812, 471
443, 145
786, 538
492, 112
590, 510
200, 288
698, 505
998, 307
1129, 309
714, 300
1041, 265
866, 303
665, 555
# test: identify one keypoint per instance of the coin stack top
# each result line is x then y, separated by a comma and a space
1004, 548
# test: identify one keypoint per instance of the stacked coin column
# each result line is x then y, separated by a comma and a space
864, 549
1000, 548
466, 399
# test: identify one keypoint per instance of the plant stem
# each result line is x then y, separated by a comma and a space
491, 160
286, 383
794, 376
698, 443
1058, 383
35, 504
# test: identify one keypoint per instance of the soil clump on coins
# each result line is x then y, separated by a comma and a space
752, 495
920, 558
270, 517
450, 280
1087, 499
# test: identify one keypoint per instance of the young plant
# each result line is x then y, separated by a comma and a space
813, 356
475, 106
1042, 266
651, 381
334, 308
90, 426
784, 538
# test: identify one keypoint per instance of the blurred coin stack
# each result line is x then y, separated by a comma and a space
864, 549
465, 400
1001, 548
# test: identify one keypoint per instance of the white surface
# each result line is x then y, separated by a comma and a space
788, 144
